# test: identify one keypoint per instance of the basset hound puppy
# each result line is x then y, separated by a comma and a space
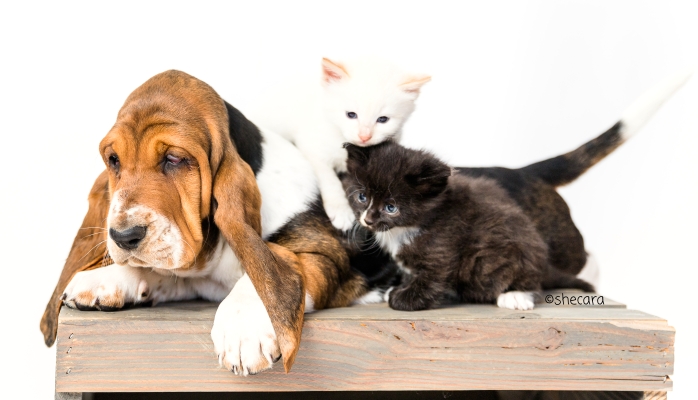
197, 202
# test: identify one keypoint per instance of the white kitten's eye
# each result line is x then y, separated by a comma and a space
390, 209
361, 197
351, 115
382, 120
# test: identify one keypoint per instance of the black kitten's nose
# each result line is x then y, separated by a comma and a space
368, 220
128, 239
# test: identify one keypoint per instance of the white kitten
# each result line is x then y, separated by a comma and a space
364, 102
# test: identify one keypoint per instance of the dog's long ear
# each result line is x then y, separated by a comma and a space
89, 251
237, 204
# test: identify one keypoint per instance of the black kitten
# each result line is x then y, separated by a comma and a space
454, 235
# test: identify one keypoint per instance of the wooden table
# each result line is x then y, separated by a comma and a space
168, 348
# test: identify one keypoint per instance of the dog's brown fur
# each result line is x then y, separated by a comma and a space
331, 281
89, 251
216, 194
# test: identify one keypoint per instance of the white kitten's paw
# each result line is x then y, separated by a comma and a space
340, 213
516, 300
242, 334
108, 288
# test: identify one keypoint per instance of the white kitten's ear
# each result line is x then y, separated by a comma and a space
414, 83
332, 71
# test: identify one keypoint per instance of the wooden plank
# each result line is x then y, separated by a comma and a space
201, 311
466, 347
655, 395
68, 396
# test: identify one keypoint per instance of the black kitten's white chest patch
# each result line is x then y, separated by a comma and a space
394, 239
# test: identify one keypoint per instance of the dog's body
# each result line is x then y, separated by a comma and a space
182, 207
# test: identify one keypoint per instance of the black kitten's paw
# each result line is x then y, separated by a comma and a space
408, 299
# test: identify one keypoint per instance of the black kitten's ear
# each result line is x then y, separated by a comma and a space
431, 178
356, 153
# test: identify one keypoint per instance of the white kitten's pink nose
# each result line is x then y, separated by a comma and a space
365, 135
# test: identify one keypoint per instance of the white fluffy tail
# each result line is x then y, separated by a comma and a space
644, 107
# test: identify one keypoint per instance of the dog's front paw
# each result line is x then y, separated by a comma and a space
408, 299
340, 213
516, 300
106, 289
242, 334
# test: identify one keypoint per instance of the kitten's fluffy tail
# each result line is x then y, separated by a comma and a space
564, 169
556, 279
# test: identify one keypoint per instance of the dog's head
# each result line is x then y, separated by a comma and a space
164, 155
174, 177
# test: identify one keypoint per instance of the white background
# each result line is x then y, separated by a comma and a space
513, 83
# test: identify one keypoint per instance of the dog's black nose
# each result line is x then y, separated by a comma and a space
128, 239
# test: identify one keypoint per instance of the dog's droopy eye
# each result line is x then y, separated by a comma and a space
173, 160
361, 197
114, 161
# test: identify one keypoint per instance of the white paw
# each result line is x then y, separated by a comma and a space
107, 288
340, 213
516, 300
242, 334
372, 297
386, 296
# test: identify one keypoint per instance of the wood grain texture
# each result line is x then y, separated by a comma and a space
465, 347
655, 395
68, 396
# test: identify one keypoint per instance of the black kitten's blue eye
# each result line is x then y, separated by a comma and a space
382, 120
361, 197
390, 209
351, 115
